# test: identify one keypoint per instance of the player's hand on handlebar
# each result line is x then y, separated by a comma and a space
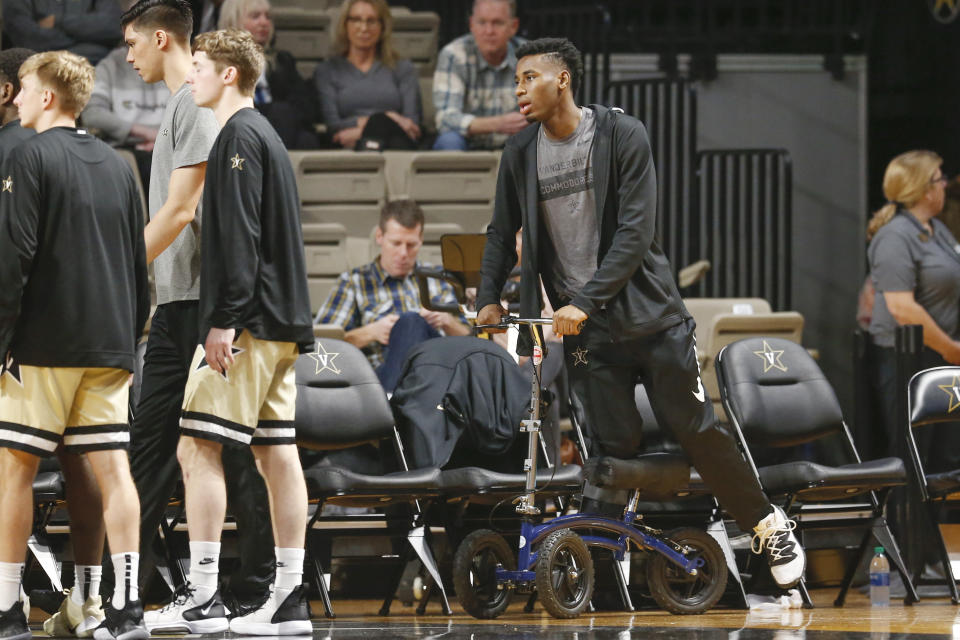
491, 314
568, 320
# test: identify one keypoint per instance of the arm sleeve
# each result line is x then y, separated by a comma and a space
892, 264
101, 25
409, 86
327, 89
500, 253
196, 130
234, 225
21, 25
99, 113
449, 91
636, 215
340, 307
19, 222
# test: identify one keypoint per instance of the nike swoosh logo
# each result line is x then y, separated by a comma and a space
699, 394
206, 610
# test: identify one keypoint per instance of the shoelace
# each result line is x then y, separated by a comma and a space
180, 597
771, 537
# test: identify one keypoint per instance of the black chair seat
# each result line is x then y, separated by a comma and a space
656, 475
48, 487
943, 484
477, 480
814, 481
329, 480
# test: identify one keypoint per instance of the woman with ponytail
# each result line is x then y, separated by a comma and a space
915, 269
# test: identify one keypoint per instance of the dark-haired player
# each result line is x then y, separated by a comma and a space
592, 221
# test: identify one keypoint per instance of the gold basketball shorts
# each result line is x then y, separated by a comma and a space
85, 407
253, 403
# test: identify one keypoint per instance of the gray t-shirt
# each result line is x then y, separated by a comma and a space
568, 206
904, 258
186, 136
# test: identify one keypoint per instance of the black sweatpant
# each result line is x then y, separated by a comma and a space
604, 373
153, 452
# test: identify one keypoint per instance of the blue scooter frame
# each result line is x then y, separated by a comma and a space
623, 531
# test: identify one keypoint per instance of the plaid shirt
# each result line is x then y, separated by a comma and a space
367, 293
466, 86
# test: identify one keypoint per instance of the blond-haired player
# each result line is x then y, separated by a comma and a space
73, 299
254, 322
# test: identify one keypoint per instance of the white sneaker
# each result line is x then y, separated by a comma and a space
774, 537
74, 619
288, 618
186, 613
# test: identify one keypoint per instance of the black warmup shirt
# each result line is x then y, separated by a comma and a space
252, 269
73, 273
11, 135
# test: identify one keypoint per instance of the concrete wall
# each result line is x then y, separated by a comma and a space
790, 102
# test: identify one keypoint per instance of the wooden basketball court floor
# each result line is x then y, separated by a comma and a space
930, 618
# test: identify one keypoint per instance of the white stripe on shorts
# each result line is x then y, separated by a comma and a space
30, 440
87, 439
273, 433
214, 429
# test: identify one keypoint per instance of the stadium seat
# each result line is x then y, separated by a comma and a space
415, 37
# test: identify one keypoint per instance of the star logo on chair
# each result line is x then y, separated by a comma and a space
11, 368
7, 185
324, 360
953, 391
944, 11
236, 162
771, 358
579, 357
234, 351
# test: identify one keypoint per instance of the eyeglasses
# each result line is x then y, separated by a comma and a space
942, 179
367, 22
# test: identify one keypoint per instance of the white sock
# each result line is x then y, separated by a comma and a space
11, 574
204, 568
86, 582
126, 572
289, 571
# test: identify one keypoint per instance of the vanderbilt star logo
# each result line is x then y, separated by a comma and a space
953, 391
324, 360
771, 358
8, 184
234, 351
236, 162
12, 369
579, 356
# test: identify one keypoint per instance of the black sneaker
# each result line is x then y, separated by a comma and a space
122, 624
13, 624
288, 618
186, 613
238, 606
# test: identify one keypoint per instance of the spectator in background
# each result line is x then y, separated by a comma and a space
124, 110
287, 100
473, 88
206, 15
378, 304
90, 28
915, 268
367, 95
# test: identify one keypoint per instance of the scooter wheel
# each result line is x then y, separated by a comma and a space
676, 590
564, 574
474, 573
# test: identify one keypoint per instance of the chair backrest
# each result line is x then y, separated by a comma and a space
340, 402
933, 396
776, 393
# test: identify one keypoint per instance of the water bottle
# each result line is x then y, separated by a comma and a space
879, 579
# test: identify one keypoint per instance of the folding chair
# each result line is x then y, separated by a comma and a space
341, 404
933, 397
776, 396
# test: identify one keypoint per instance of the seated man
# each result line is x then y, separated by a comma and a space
89, 28
378, 304
473, 84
